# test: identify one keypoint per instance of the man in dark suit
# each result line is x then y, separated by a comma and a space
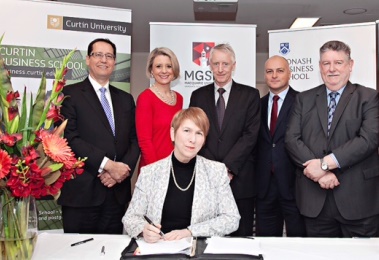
234, 116
333, 138
275, 171
95, 201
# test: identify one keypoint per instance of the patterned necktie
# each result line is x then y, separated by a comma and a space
331, 108
107, 108
220, 106
274, 114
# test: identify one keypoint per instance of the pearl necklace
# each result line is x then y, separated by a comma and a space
163, 98
189, 185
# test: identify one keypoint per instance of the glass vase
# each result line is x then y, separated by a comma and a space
18, 227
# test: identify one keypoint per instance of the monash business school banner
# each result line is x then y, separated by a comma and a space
301, 48
191, 42
38, 34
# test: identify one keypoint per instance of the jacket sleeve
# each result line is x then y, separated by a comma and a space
295, 146
144, 124
241, 150
366, 128
80, 147
133, 219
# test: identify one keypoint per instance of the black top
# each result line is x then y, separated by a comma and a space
177, 207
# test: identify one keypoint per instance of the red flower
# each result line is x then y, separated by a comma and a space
40, 134
5, 163
60, 85
12, 112
59, 100
10, 140
57, 148
30, 154
54, 113
12, 96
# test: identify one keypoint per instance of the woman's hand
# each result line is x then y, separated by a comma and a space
178, 234
151, 234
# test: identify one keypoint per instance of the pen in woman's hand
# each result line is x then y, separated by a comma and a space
151, 223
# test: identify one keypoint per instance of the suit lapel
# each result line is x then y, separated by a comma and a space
264, 114
233, 102
342, 103
199, 196
161, 187
322, 108
93, 100
211, 107
116, 102
284, 110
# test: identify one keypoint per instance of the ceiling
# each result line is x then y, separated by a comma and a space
266, 14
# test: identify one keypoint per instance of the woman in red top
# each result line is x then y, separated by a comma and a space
156, 107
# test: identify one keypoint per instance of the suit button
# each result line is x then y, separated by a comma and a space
273, 145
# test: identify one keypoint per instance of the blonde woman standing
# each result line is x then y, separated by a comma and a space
157, 105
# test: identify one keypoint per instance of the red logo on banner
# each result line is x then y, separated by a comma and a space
200, 53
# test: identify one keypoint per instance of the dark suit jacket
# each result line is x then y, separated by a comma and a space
89, 134
272, 152
354, 141
234, 144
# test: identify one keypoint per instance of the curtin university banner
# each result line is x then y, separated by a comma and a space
301, 48
38, 34
45, 32
191, 42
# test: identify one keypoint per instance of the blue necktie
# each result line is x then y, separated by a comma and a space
107, 108
331, 108
220, 107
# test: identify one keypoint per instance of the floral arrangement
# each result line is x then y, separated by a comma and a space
35, 160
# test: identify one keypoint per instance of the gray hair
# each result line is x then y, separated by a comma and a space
335, 46
225, 47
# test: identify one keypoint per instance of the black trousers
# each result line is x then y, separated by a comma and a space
102, 219
246, 210
273, 211
330, 223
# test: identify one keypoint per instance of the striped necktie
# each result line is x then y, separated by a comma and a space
107, 108
331, 108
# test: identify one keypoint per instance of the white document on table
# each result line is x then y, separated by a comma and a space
165, 247
232, 245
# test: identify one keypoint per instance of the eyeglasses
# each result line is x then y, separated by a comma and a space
100, 56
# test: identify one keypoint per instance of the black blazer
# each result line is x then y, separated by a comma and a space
89, 134
272, 152
353, 139
235, 143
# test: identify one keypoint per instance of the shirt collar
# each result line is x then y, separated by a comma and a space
282, 95
340, 91
96, 86
227, 87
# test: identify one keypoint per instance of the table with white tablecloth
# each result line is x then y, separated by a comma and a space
58, 246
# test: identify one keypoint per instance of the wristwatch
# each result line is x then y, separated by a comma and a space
324, 165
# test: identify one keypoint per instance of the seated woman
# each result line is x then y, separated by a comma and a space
184, 194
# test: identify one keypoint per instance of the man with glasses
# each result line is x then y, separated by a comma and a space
332, 137
233, 110
101, 127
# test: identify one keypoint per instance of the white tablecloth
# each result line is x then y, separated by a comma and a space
58, 246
